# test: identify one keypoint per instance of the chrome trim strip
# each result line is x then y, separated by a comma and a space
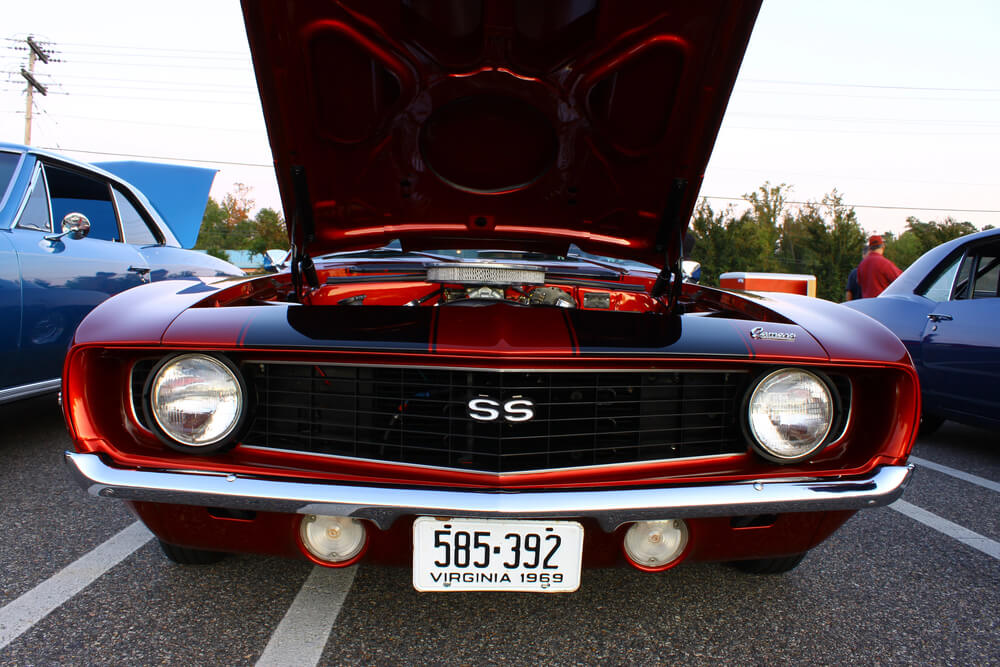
479, 369
131, 394
422, 466
383, 505
29, 390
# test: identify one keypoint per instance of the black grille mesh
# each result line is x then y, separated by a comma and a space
420, 416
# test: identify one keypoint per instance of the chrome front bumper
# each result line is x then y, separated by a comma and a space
383, 505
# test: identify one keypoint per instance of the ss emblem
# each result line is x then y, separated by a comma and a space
487, 410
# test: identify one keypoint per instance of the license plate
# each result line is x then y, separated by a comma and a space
496, 555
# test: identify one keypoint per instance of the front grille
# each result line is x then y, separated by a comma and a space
421, 416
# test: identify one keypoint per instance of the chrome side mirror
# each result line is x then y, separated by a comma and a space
74, 225
691, 271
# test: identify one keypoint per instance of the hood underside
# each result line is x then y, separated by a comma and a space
481, 123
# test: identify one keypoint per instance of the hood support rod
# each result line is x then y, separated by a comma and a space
671, 273
302, 264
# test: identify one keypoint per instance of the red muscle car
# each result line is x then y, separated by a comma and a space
483, 361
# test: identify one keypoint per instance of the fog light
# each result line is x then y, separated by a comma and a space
656, 545
332, 539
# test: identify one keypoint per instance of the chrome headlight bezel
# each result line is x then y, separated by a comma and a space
817, 444
228, 437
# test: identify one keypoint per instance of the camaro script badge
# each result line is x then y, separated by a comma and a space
759, 334
488, 410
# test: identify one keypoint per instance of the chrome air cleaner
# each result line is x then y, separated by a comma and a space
481, 273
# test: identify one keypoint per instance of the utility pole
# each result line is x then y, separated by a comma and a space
35, 53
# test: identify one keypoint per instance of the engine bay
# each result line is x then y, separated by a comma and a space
479, 283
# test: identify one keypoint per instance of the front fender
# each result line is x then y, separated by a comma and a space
147, 311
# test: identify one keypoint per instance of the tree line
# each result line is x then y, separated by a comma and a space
822, 238
227, 225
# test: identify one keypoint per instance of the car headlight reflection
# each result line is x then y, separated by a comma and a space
789, 415
196, 400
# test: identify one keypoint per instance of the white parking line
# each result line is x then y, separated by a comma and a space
963, 535
957, 474
301, 636
19, 615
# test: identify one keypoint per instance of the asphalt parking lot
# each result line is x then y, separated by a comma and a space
914, 583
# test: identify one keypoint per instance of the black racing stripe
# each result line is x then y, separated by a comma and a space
333, 327
571, 329
435, 319
617, 330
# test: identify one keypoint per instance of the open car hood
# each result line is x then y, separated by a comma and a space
482, 123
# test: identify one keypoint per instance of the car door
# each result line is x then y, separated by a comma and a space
64, 278
961, 343
10, 314
10, 277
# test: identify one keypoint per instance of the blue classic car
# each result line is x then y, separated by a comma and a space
73, 234
945, 308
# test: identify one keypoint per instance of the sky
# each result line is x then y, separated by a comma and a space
894, 103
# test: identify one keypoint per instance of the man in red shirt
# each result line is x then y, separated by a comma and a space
875, 271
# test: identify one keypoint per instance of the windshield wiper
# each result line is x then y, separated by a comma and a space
620, 270
389, 252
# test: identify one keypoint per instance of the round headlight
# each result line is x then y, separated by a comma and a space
790, 413
196, 400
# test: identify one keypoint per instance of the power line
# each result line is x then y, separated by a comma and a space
862, 119
897, 98
840, 176
172, 56
738, 199
200, 101
154, 51
166, 82
171, 65
205, 89
828, 130
166, 52
161, 157
147, 48
118, 121
874, 86
876, 206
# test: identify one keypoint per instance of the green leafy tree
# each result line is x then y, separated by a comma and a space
823, 239
820, 238
726, 242
228, 226
920, 237
212, 235
711, 243
269, 232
